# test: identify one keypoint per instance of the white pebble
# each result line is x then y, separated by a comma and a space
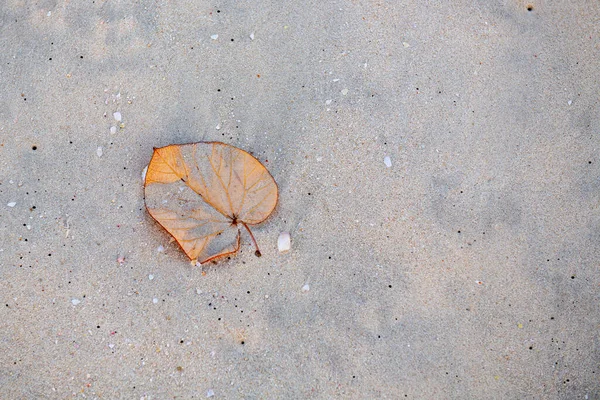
214, 37
113, 130
150, 276
328, 102
305, 288
49, 13
75, 301
336, 80
117, 116
160, 249
252, 36
218, 127
99, 151
388, 161
12, 204
210, 393
155, 300
144, 173
284, 242
405, 44
111, 345
570, 102
344, 91
198, 291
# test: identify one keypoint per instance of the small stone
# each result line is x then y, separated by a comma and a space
160, 249
570, 102
218, 127
214, 37
344, 92
117, 116
387, 161
328, 102
12, 204
306, 288
75, 301
252, 36
210, 393
49, 13
150, 276
99, 151
111, 345
284, 242
198, 291
155, 300
113, 130
405, 44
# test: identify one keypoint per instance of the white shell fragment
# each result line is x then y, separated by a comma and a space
387, 161
306, 288
12, 204
284, 242
117, 116
99, 151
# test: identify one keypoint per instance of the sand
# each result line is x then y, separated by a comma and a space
438, 172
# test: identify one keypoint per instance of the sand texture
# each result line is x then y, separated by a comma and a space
439, 176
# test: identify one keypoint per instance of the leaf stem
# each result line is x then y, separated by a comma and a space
257, 253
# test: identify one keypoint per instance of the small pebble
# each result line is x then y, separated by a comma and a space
150, 276
12, 204
388, 161
155, 300
214, 37
328, 102
49, 13
111, 345
344, 91
99, 151
252, 36
144, 173
210, 393
305, 288
284, 242
198, 291
117, 116
75, 301
570, 102
113, 130
160, 249
405, 44
218, 127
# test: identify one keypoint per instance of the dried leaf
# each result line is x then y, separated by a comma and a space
202, 193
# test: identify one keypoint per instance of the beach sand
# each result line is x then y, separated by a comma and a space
438, 173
